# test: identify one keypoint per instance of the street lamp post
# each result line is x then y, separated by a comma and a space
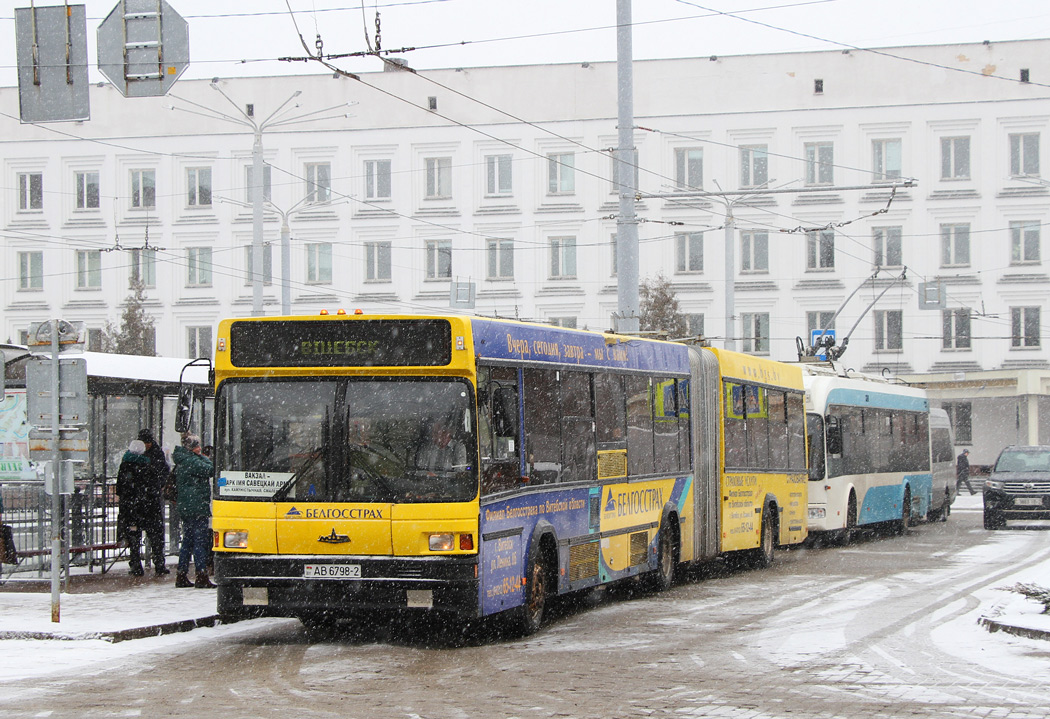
277, 118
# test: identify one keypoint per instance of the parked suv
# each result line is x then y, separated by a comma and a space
1018, 487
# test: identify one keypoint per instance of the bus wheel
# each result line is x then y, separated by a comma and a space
845, 535
530, 614
763, 556
663, 577
904, 523
946, 508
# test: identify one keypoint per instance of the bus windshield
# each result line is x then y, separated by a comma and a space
347, 440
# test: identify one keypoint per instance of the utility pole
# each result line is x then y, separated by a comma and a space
626, 221
730, 231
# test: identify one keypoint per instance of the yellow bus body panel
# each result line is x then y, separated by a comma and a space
333, 528
743, 495
255, 518
414, 523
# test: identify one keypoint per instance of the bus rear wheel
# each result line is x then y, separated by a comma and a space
663, 577
762, 557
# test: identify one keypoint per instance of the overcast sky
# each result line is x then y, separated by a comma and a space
231, 38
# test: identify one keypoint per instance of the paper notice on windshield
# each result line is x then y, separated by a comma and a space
251, 484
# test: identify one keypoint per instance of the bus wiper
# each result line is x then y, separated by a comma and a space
280, 493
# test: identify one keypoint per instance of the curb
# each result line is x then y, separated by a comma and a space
993, 626
120, 635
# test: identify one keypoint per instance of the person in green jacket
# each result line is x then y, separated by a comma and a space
193, 473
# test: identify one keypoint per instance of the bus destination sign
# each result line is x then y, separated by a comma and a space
341, 343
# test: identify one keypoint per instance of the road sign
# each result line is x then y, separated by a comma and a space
70, 335
825, 342
72, 395
51, 48
72, 445
143, 47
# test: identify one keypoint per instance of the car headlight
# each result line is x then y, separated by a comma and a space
993, 484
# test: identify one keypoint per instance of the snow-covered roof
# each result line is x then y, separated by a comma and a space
147, 369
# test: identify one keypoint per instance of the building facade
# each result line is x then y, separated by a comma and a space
502, 177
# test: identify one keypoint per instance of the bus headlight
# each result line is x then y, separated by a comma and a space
441, 542
235, 540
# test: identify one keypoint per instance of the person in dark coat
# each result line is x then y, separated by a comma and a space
140, 509
962, 471
193, 473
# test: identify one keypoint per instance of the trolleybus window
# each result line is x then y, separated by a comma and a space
348, 441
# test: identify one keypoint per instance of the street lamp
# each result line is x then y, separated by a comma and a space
277, 118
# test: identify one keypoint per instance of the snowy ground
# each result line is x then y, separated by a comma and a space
88, 614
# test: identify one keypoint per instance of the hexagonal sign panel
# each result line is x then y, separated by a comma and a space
143, 47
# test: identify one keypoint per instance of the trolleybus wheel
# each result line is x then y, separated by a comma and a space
947, 509
530, 614
904, 523
663, 577
763, 556
846, 533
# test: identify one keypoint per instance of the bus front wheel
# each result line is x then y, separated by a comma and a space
530, 613
763, 556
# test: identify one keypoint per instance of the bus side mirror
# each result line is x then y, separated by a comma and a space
834, 435
184, 409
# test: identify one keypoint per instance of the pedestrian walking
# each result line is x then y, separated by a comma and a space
962, 471
140, 509
193, 473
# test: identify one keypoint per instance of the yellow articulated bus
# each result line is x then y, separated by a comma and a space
479, 466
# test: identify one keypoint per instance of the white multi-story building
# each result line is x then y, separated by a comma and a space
502, 177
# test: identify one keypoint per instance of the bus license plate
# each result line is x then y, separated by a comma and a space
1029, 501
332, 571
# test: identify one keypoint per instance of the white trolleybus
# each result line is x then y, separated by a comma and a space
869, 452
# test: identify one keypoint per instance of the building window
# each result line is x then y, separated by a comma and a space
886, 159
754, 165
143, 268
89, 269
249, 183
1024, 243
567, 322
1024, 323
960, 415
198, 341
563, 257
688, 168
956, 329
439, 178
889, 331
319, 262
756, 332
87, 190
694, 324
820, 159
143, 189
30, 191
632, 169
94, 339
267, 265
439, 259
377, 261
498, 175
198, 186
689, 251
30, 270
198, 267
955, 245
318, 182
818, 322
955, 158
1024, 155
501, 259
754, 251
820, 250
887, 241
377, 179
561, 173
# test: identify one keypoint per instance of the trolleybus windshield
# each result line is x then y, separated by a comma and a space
347, 440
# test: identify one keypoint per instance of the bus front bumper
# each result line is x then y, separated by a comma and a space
253, 585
